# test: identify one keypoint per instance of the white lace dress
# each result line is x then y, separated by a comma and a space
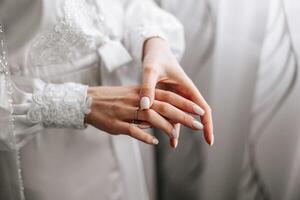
55, 49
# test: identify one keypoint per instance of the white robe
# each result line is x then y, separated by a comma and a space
74, 41
237, 89
275, 124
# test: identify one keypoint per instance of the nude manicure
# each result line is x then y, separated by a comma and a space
198, 110
197, 125
175, 143
155, 141
212, 140
174, 133
145, 103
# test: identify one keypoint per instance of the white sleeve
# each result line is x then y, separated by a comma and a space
28, 106
144, 20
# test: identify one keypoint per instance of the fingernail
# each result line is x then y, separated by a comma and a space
198, 110
155, 141
175, 143
174, 133
145, 103
144, 126
197, 125
212, 140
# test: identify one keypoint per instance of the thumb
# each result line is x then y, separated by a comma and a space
147, 92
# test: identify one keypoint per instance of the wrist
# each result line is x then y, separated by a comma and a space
90, 95
153, 44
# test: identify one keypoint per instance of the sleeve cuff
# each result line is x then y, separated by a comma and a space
60, 105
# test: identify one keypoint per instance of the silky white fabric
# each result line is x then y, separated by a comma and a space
240, 85
277, 143
240, 27
69, 43
275, 79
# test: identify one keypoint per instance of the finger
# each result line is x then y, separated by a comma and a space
174, 141
144, 125
208, 128
146, 117
158, 121
150, 77
135, 132
174, 114
177, 128
127, 113
178, 101
190, 91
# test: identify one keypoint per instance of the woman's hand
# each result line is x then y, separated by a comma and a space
160, 68
115, 108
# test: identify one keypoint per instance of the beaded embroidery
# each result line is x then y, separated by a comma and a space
73, 36
4, 70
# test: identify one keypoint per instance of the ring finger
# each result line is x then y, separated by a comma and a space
133, 114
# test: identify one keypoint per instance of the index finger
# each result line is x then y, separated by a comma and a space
147, 92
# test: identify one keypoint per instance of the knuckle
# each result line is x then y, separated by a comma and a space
149, 139
208, 109
168, 95
163, 107
187, 119
115, 130
115, 108
130, 130
146, 138
170, 130
137, 89
135, 98
132, 98
149, 114
96, 104
122, 98
146, 88
110, 121
188, 106
149, 69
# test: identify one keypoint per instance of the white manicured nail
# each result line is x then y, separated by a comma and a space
175, 143
155, 141
197, 125
174, 133
144, 126
198, 110
212, 140
145, 103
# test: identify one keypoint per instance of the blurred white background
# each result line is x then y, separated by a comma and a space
243, 56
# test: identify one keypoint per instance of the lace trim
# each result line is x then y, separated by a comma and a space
63, 105
72, 36
63, 44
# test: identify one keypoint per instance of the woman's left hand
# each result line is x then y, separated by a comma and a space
161, 68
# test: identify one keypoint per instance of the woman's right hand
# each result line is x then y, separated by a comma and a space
115, 108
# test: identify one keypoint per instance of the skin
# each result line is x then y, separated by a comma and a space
114, 108
161, 69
